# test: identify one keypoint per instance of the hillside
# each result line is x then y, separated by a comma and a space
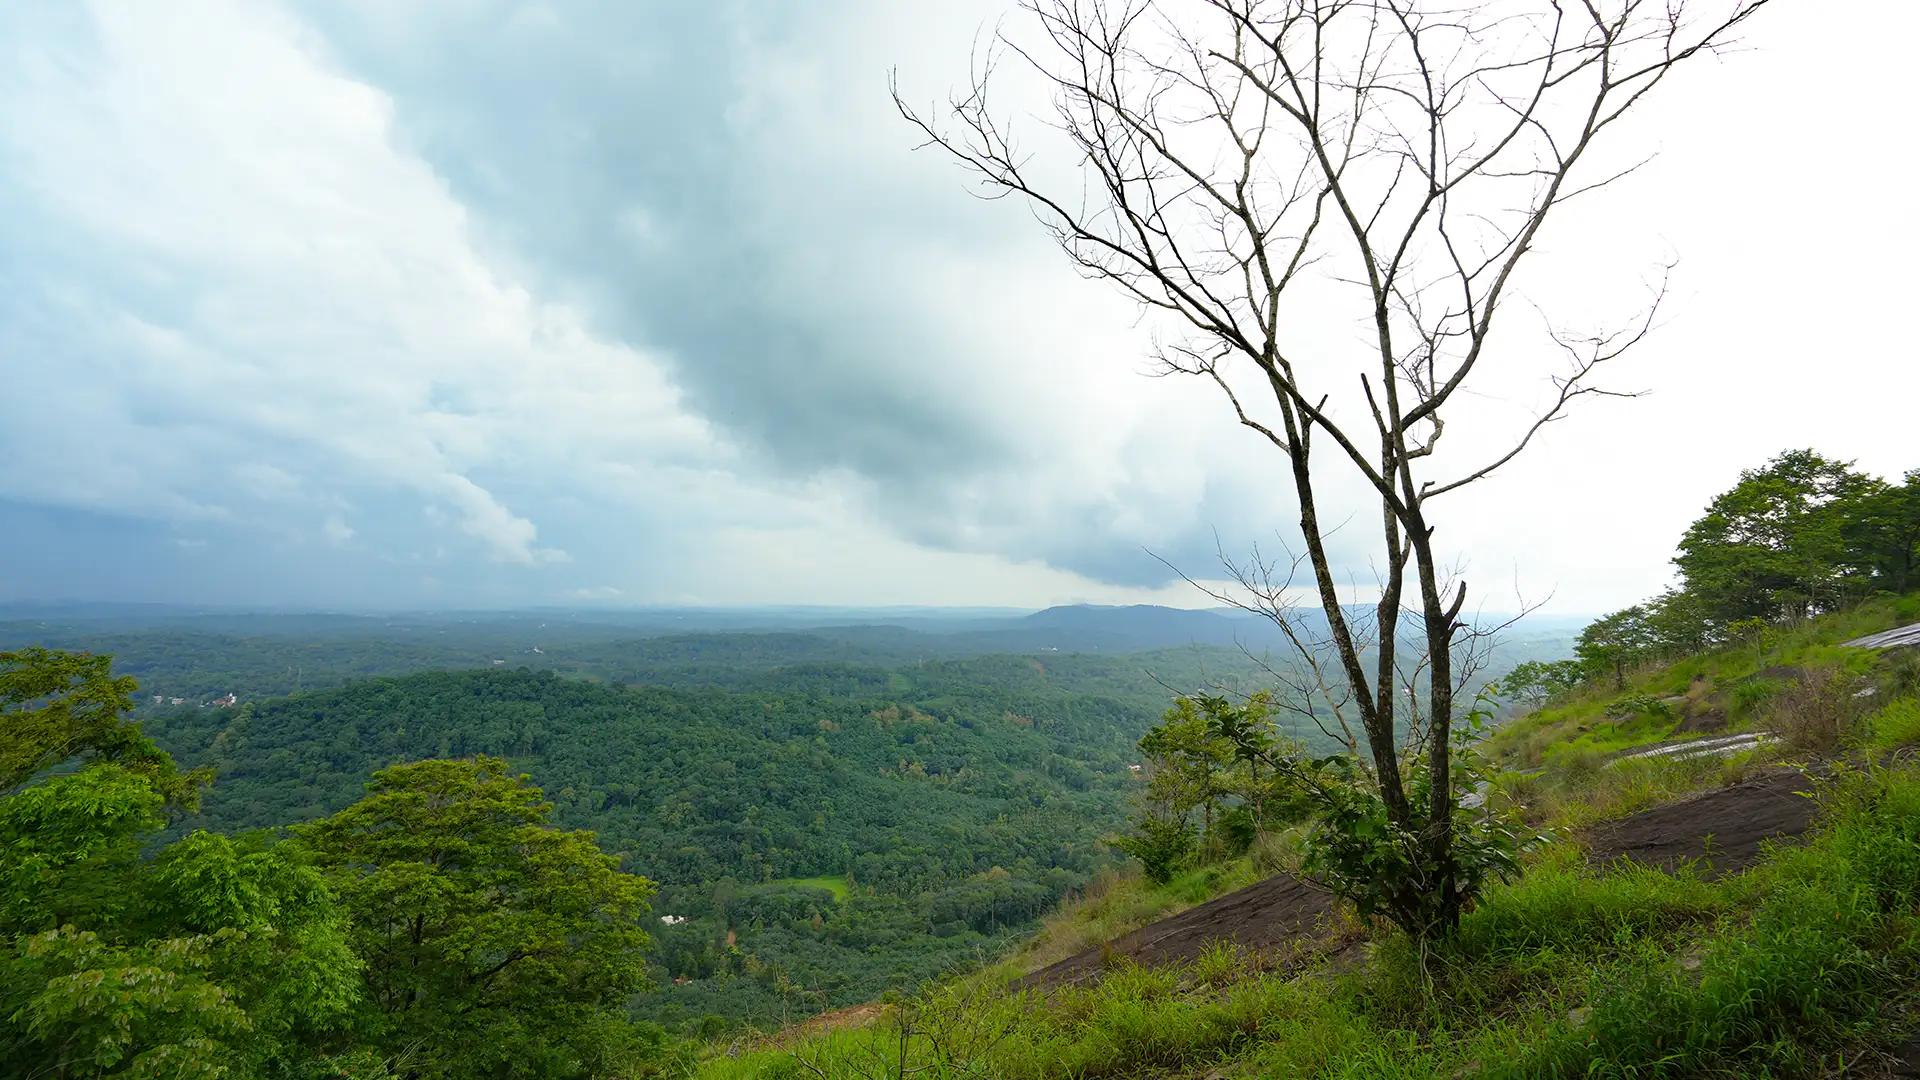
1749, 913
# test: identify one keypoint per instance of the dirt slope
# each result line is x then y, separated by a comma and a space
1726, 829
1276, 912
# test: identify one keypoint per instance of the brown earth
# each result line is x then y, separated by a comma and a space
851, 1017
1280, 912
1724, 829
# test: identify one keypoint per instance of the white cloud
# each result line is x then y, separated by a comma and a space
243, 288
330, 325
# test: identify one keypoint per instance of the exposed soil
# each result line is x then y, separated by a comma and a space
1699, 708
851, 1017
1282, 911
1702, 716
1723, 829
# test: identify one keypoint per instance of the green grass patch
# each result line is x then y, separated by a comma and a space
1114, 904
1895, 726
840, 887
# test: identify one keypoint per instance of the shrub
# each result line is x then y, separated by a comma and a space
1578, 765
1900, 675
1638, 705
1813, 711
1163, 846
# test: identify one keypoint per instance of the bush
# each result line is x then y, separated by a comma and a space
1578, 765
1163, 846
1809, 972
1812, 712
1900, 674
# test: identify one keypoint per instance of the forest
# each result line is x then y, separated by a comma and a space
945, 808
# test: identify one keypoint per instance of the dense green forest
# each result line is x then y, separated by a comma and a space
439, 925
956, 801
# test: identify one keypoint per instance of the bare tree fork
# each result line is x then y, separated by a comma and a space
1240, 164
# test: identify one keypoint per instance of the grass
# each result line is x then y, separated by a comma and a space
1568, 972
840, 887
1576, 792
1896, 726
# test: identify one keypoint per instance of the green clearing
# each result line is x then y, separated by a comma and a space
840, 887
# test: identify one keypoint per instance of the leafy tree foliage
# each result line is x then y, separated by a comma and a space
1776, 544
1881, 529
1614, 643
1214, 756
1354, 847
1534, 681
494, 943
201, 959
215, 956
62, 707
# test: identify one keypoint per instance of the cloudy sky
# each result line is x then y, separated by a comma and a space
461, 304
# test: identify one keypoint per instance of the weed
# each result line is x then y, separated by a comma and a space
1813, 711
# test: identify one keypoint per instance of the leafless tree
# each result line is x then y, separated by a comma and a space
1243, 167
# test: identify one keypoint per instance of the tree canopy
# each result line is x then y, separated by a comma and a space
257, 956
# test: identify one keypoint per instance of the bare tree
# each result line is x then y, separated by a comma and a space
1242, 167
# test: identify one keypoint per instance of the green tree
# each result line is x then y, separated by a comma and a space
59, 707
495, 944
1774, 544
1881, 530
1217, 756
1613, 643
204, 959
1534, 681
1188, 766
1679, 623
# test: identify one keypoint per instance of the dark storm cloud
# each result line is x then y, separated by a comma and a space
630, 156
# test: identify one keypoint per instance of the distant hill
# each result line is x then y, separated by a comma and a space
198, 655
1130, 628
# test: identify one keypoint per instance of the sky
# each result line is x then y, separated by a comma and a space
495, 304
